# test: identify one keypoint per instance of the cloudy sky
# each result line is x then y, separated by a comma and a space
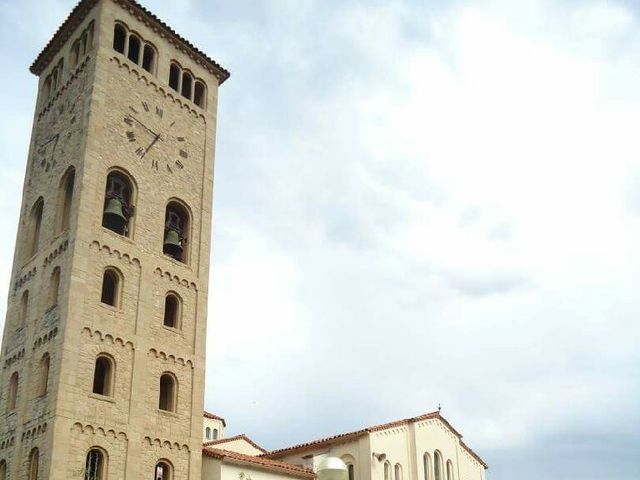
416, 203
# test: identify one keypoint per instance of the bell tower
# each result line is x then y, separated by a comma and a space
103, 352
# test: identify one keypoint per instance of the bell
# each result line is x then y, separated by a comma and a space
114, 219
172, 244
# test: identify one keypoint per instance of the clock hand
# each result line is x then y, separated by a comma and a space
144, 126
157, 137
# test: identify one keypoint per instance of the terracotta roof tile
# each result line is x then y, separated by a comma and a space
81, 10
347, 437
215, 417
258, 462
242, 436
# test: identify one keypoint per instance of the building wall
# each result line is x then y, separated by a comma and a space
212, 424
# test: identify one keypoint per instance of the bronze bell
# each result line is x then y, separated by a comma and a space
114, 217
172, 244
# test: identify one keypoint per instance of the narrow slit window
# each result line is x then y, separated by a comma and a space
110, 288
119, 38
172, 311
34, 464
24, 308
54, 288
199, 94
186, 85
134, 49
66, 187
168, 393
44, 375
13, 392
36, 224
103, 376
174, 76
148, 58
75, 54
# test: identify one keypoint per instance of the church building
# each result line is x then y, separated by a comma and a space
103, 350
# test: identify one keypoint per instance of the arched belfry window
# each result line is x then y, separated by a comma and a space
118, 208
168, 394
95, 465
172, 310
149, 58
163, 471
187, 82
103, 375
199, 94
133, 52
119, 38
174, 77
12, 398
66, 199
176, 231
34, 464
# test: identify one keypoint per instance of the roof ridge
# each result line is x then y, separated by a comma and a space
268, 463
240, 436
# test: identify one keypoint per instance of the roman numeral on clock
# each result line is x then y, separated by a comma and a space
140, 152
131, 136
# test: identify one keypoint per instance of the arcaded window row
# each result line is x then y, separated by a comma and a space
211, 434
95, 466
119, 215
144, 54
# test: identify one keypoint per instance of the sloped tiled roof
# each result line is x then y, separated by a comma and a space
347, 437
215, 417
81, 10
242, 436
258, 462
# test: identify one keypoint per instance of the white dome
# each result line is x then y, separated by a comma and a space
332, 468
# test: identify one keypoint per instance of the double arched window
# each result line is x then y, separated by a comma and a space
104, 375
95, 465
168, 394
53, 80
133, 46
183, 82
118, 210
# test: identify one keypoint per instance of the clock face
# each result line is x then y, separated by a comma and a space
58, 123
156, 138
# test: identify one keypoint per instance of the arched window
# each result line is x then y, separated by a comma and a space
66, 194
397, 470
24, 308
3, 470
13, 392
36, 223
46, 91
163, 471
149, 58
94, 467
44, 374
118, 210
174, 76
199, 94
119, 38
134, 49
437, 466
387, 471
34, 461
54, 287
215, 434
103, 375
187, 81
208, 433
168, 392
427, 466
172, 310
449, 470
176, 231
111, 287
351, 471
75, 53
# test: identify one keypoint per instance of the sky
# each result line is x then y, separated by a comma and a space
416, 203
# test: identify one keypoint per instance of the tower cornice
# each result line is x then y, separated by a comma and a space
81, 10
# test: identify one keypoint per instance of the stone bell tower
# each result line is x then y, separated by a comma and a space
103, 352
